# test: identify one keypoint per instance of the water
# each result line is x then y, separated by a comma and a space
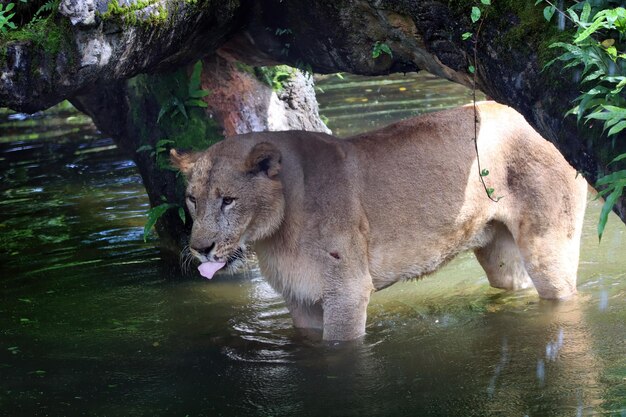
92, 322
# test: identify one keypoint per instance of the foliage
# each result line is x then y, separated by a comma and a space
5, 19
379, 48
156, 212
177, 105
190, 128
160, 152
276, 77
597, 47
47, 7
477, 16
40, 29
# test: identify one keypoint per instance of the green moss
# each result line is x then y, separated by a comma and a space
49, 34
522, 24
275, 77
132, 14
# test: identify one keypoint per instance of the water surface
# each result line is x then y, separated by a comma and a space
92, 322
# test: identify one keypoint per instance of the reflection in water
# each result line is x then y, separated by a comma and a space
504, 359
93, 322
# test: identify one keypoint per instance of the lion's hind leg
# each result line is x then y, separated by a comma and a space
552, 263
549, 241
502, 261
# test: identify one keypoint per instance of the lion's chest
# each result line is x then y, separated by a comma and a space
295, 276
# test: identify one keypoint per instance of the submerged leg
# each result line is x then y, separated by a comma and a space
552, 265
306, 316
502, 261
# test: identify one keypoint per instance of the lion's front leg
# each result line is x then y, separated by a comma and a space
306, 315
345, 315
348, 286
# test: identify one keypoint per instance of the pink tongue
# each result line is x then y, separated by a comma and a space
208, 269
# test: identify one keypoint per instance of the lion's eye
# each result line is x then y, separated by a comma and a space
227, 201
191, 199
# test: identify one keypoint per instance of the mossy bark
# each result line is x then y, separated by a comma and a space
511, 50
513, 45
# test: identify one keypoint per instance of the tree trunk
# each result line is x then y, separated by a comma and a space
84, 46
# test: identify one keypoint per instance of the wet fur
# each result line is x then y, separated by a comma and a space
334, 220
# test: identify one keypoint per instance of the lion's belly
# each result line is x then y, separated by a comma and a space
417, 255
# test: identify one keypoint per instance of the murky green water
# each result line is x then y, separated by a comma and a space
92, 322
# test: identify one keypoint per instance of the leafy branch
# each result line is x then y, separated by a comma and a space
594, 47
5, 19
195, 93
476, 15
156, 212
380, 48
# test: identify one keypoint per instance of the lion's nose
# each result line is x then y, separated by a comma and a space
205, 250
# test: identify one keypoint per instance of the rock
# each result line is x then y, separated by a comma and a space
80, 12
241, 103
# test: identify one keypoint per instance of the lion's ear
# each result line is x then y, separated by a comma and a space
264, 157
183, 161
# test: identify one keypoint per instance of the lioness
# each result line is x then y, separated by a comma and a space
333, 220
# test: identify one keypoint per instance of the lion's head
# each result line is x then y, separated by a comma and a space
234, 195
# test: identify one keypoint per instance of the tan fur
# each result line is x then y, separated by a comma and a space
333, 220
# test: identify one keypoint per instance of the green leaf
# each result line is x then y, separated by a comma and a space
590, 30
618, 158
194, 79
164, 142
196, 103
584, 16
612, 178
618, 111
484, 172
153, 215
471, 69
612, 51
180, 106
181, 214
466, 36
600, 115
490, 191
143, 148
548, 12
377, 50
573, 16
475, 16
594, 75
486, 2
606, 209
199, 93
10, 6
164, 109
386, 49
617, 128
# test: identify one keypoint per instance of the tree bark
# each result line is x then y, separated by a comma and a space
512, 47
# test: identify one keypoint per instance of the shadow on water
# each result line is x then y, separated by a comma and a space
92, 321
